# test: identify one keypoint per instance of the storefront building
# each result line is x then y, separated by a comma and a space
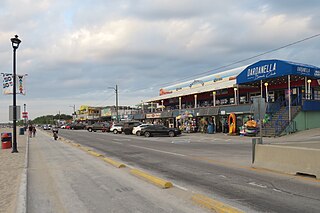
290, 90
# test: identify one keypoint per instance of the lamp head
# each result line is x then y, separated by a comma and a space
266, 84
214, 92
309, 81
15, 42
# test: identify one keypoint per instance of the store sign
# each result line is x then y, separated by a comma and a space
263, 71
153, 115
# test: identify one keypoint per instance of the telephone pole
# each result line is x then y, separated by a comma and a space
117, 107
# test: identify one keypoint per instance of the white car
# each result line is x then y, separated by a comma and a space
136, 130
116, 128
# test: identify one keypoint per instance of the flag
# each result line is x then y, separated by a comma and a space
7, 84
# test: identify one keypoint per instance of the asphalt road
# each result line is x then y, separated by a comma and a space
217, 167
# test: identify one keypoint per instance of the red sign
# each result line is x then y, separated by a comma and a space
24, 114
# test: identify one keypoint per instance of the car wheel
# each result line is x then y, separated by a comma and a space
90, 129
115, 131
138, 133
171, 134
147, 134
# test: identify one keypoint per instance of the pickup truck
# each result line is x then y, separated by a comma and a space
104, 127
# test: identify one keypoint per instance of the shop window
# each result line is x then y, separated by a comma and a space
316, 94
271, 96
224, 101
243, 99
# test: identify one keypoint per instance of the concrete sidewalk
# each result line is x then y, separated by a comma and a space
63, 178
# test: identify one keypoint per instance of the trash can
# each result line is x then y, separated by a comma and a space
6, 140
21, 132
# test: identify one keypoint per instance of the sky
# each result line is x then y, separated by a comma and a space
75, 52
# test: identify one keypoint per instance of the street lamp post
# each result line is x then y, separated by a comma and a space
15, 44
116, 91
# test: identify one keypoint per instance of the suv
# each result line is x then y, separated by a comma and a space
116, 128
128, 126
104, 127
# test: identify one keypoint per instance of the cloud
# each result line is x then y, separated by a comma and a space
73, 51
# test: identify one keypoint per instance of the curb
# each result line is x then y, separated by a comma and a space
212, 204
152, 179
113, 163
94, 153
22, 195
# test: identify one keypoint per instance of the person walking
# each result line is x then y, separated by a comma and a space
34, 131
30, 130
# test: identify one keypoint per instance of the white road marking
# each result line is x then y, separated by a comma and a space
222, 176
259, 185
180, 141
124, 139
156, 150
277, 190
116, 142
181, 187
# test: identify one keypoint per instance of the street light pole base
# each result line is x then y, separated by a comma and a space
14, 151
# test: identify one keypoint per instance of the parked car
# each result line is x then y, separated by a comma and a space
46, 127
104, 127
128, 126
77, 126
159, 130
137, 129
116, 128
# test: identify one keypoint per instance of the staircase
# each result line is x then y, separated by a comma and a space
279, 121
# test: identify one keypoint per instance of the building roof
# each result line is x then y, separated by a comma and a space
267, 69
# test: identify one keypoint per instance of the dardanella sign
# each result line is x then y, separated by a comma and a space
263, 71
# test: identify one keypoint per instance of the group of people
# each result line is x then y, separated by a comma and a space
32, 131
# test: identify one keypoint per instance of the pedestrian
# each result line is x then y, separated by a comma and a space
34, 131
30, 130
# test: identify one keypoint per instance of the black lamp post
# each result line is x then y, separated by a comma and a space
15, 44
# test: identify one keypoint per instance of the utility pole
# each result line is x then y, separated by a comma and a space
117, 107
74, 112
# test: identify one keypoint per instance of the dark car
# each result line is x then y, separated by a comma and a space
77, 126
128, 126
104, 127
159, 130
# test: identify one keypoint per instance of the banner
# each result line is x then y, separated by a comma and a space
7, 84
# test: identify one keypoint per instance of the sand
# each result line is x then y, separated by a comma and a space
11, 168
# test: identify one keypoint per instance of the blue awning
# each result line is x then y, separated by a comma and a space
267, 69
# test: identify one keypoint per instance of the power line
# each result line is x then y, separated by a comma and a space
228, 65
239, 61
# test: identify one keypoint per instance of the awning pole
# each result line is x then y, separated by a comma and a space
261, 89
305, 88
289, 93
